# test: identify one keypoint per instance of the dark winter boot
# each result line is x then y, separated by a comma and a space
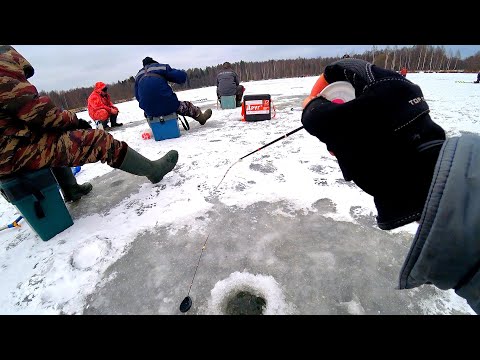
113, 121
68, 184
204, 116
137, 164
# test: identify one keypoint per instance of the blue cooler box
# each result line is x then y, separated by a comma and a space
37, 197
164, 127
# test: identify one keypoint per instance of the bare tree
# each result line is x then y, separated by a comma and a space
431, 58
419, 58
457, 57
424, 58
394, 57
450, 56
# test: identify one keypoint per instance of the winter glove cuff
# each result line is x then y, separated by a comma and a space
404, 201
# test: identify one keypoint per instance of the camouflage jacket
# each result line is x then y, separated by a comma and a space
23, 113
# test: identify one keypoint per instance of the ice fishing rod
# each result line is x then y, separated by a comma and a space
263, 147
272, 142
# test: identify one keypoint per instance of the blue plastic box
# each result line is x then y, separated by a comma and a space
37, 197
164, 127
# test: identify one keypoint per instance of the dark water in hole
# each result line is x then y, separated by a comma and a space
244, 303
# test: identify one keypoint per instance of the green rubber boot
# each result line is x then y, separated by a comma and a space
137, 164
68, 184
204, 116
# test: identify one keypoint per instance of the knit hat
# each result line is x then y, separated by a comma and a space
148, 60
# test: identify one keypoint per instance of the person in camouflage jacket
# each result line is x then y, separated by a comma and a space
35, 134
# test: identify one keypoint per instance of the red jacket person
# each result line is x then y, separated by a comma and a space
101, 108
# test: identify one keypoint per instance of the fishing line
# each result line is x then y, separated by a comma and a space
187, 302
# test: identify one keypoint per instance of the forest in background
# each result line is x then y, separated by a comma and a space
425, 58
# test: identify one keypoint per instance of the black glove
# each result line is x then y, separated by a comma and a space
83, 124
384, 139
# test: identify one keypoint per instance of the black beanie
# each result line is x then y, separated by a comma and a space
148, 60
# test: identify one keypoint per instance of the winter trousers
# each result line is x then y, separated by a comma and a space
69, 148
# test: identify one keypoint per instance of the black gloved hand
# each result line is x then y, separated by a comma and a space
384, 139
84, 124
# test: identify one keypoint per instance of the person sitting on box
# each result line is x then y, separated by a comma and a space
228, 84
36, 134
101, 108
156, 97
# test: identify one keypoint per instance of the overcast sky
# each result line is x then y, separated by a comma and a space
64, 67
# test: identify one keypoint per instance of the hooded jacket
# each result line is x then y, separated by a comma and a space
24, 115
100, 105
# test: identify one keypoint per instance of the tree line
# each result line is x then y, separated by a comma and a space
426, 58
